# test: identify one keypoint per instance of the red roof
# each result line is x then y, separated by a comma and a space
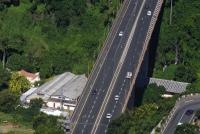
27, 74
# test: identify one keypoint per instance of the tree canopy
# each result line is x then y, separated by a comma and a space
18, 83
187, 129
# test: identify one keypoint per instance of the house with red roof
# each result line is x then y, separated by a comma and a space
31, 77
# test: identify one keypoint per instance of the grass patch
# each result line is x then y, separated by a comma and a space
167, 74
8, 124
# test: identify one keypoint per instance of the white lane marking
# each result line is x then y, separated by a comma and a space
192, 117
105, 131
99, 57
181, 116
101, 111
188, 101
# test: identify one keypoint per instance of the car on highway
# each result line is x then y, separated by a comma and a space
149, 13
129, 75
116, 97
94, 92
180, 123
121, 33
189, 112
108, 115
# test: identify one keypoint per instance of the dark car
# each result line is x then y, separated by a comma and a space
94, 92
189, 112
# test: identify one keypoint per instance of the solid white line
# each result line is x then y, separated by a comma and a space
115, 23
101, 111
181, 116
188, 101
149, 33
192, 117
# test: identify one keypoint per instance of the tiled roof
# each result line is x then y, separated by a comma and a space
27, 74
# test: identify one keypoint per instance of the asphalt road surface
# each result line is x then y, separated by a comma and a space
119, 56
180, 115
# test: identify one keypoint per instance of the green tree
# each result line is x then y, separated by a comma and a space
153, 93
44, 124
8, 101
185, 73
36, 104
18, 84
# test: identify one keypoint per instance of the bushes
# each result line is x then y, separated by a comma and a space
8, 101
185, 73
44, 124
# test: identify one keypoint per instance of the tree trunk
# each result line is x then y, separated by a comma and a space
4, 58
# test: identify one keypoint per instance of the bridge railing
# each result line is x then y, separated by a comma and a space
99, 62
146, 42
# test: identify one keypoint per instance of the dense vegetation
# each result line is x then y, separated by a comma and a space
52, 36
187, 129
178, 46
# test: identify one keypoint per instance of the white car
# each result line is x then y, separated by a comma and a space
149, 13
116, 97
129, 75
180, 123
121, 33
108, 115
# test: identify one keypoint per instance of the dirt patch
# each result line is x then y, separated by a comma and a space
7, 127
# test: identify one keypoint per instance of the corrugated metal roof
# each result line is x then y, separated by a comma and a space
170, 85
67, 84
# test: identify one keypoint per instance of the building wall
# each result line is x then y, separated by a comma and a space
57, 105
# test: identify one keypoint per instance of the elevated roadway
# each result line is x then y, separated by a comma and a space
120, 54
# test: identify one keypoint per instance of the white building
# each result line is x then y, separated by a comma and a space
60, 92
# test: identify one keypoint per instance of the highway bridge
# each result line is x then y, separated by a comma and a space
120, 54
